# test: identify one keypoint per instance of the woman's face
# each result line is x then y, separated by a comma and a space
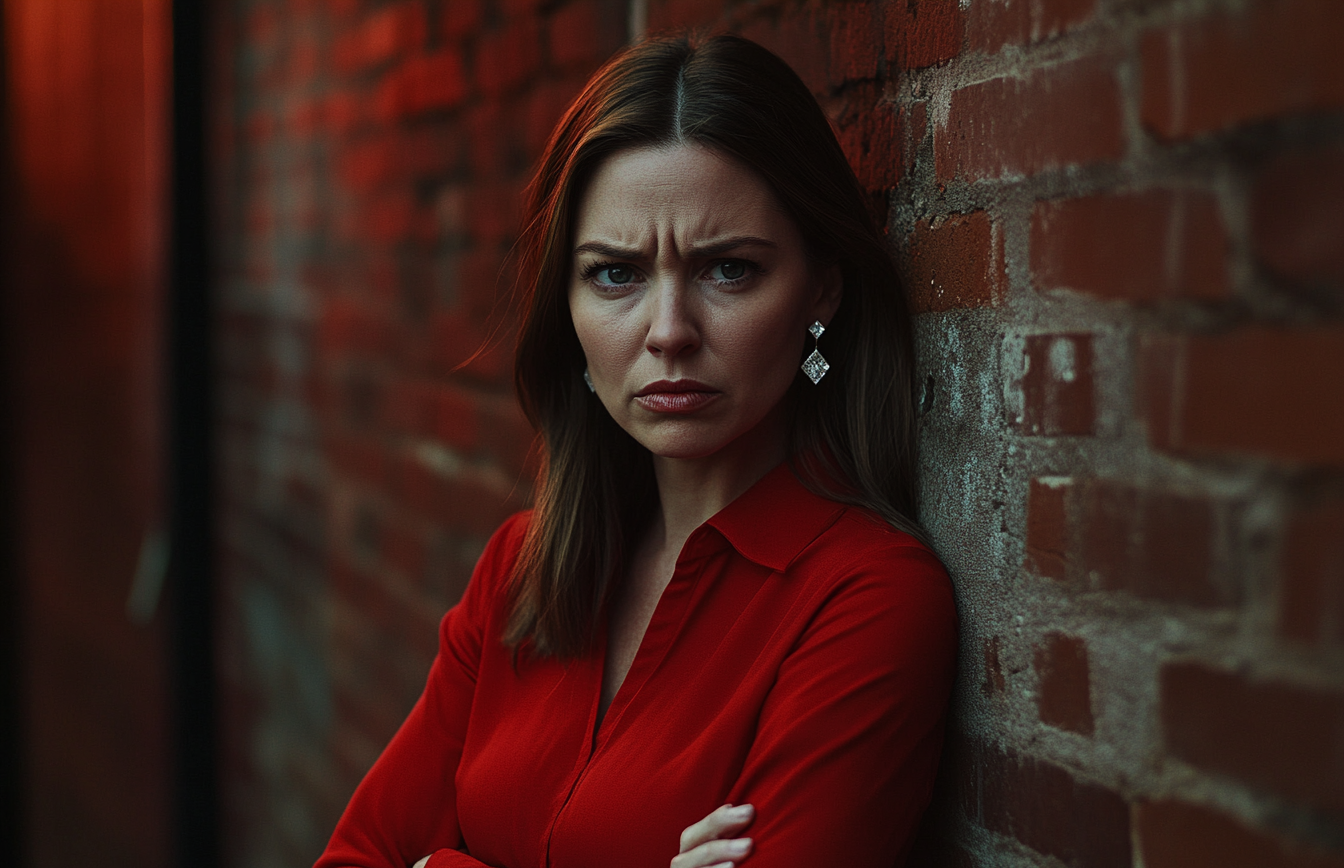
691, 295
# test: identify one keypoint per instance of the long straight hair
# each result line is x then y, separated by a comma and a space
852, 437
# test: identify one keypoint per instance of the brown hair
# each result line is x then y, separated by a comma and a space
852, 436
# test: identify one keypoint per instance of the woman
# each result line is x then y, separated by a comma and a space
717, 638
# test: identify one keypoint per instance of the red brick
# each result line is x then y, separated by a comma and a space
425, 83
995, 23
359, 459
461, 18
1134, 247
1057, 391
1065, 115
955, 262
1255, 392
870, 132
1155, 545
407, 407
1065, 696
344, 111
456, 418
1280, 57
1047, 545
1046, 808
507, 58
545, 105
1277, 736
1311, 578
432, 151
922, 34
1297, 222
348, 328
856, 41
1181, 835
667, 15
391, 32
404, 549
369, 163
387, 218
583, 32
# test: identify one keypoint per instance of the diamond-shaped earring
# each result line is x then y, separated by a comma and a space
588, 380
816, 366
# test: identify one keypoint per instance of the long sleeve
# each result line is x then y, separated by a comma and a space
842, 765
406, 806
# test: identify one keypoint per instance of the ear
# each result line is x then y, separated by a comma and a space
830, 290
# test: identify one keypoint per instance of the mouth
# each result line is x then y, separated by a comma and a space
675, 396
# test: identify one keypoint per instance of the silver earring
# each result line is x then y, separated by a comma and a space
816, 365
589, 381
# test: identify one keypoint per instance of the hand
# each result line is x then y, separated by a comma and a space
708, 843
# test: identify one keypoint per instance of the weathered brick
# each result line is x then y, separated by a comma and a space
1277, 736
1057, 389
1065, 696
1134, 247
1156, 545
391, 32
1311, 576
922, 34
1046, 808
1252, 392
871, 134
995, 23
1182, 835
995, 681
856, 41
1297, 224
955, 262
1279, 57
1059, 116
1048, 537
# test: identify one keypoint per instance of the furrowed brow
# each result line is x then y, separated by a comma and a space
715, 248
608, 250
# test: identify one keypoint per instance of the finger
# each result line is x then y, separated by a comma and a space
721, 823
729, 851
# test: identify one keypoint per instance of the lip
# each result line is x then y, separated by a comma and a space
675, 396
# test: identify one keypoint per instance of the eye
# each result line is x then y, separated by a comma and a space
608, 274
616, 275
729, 270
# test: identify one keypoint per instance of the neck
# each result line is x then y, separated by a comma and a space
691, 490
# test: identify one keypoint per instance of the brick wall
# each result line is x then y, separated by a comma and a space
1122, 224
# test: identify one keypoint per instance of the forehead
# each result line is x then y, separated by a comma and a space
690, 191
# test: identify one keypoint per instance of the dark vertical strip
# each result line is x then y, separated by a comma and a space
13, 841
191, 478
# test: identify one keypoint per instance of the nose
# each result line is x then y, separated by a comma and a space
674, 327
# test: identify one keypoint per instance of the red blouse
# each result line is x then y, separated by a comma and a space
800, 659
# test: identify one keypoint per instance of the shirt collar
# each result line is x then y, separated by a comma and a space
774, 520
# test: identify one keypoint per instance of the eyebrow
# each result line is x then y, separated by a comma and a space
713, 248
